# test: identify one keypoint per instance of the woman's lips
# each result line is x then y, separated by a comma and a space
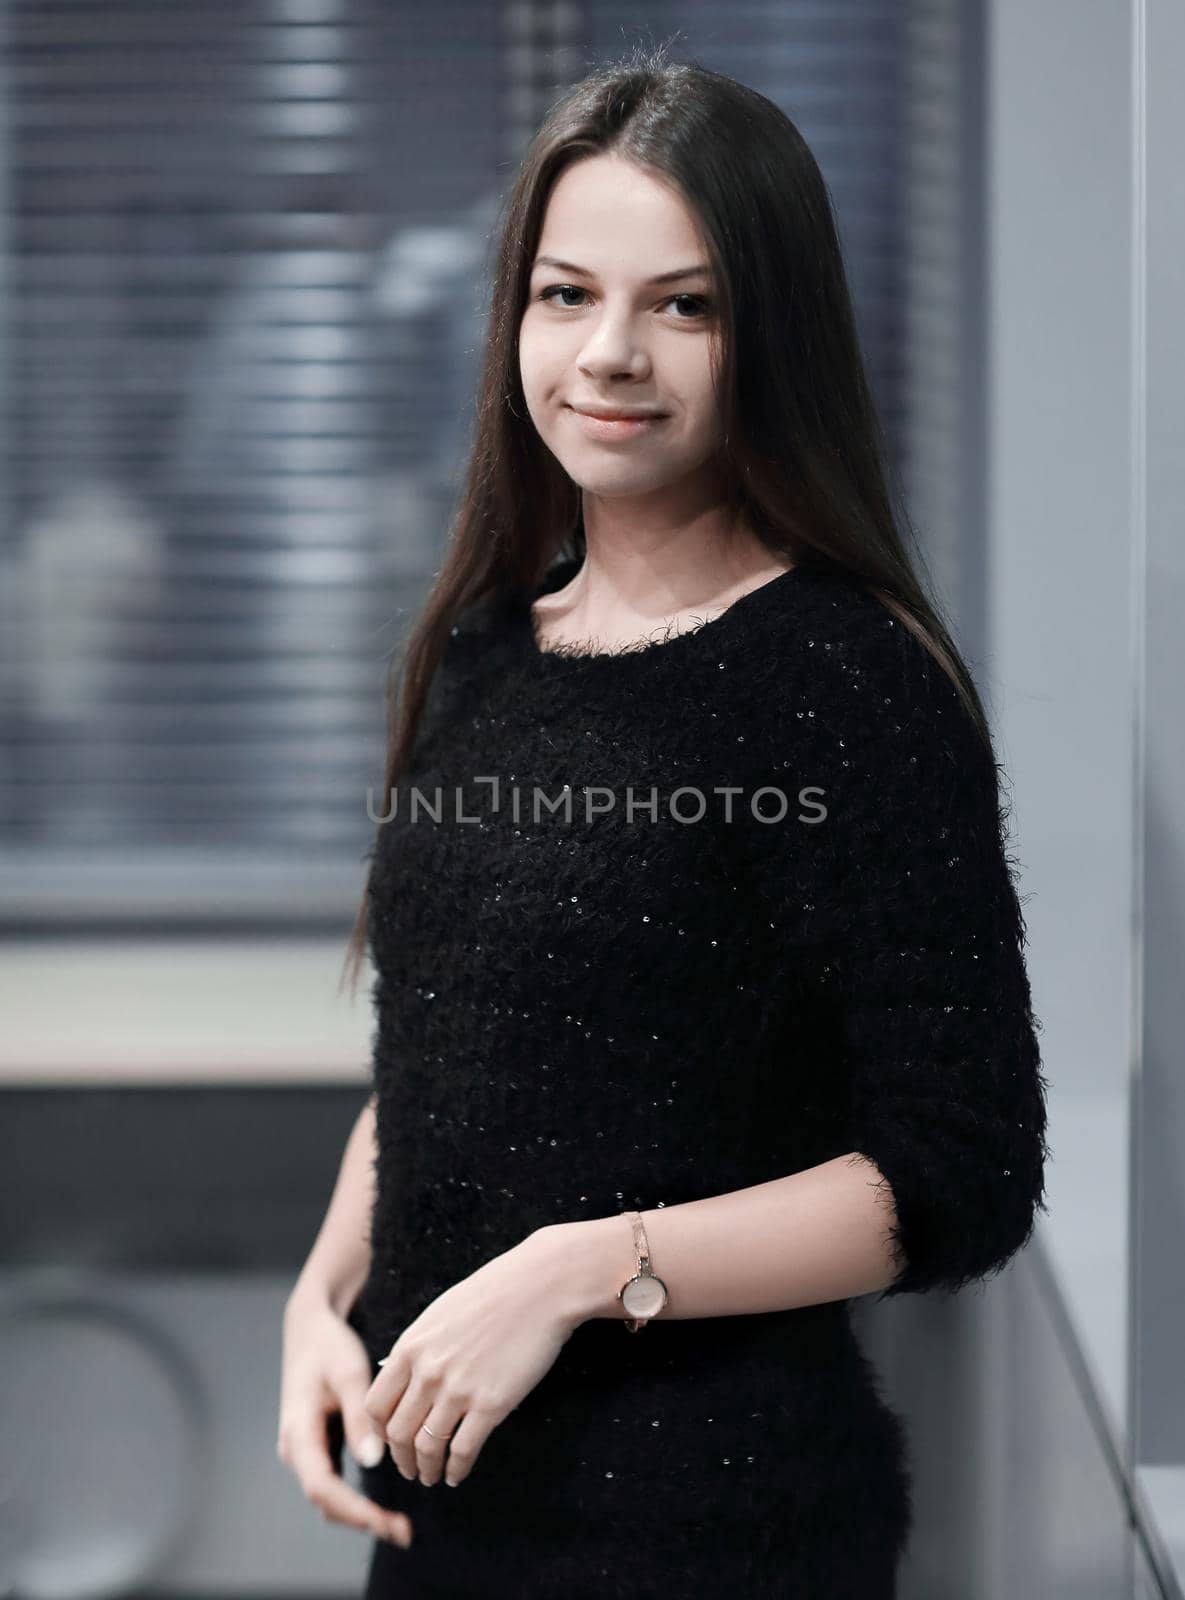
615, 428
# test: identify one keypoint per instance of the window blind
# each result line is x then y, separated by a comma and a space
243, 258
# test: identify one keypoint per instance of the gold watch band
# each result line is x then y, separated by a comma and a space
641, 1243
642, 1251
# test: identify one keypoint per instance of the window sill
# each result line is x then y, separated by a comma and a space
182, 1011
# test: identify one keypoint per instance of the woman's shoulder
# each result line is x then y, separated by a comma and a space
847, 673
478, 629
836, 623
462, 669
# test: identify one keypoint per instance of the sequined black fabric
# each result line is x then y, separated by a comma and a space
639, 990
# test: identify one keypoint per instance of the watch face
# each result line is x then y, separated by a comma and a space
644, 1296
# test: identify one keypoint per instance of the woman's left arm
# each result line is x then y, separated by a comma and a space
906, 888
796, 1241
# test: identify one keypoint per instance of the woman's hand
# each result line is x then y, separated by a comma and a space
326, 1372
468, 1360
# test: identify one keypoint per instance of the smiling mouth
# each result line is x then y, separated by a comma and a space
621, 427
618, 416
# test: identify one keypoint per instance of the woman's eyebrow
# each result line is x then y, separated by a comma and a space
698, 271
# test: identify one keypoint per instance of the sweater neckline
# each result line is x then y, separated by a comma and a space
711, 628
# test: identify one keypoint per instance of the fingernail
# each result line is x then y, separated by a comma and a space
370, 1451
401, 1536
452, 1482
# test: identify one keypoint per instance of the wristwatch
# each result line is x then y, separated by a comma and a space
644, 1295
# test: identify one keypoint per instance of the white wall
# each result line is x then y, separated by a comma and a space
1062, 537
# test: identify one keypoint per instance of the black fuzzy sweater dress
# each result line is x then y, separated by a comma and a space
580, 1011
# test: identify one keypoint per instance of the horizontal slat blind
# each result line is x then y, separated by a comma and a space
242, 254
943, 300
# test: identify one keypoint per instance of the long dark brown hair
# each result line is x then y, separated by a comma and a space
803, 449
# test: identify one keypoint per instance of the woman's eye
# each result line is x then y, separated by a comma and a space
699, 301
560, 288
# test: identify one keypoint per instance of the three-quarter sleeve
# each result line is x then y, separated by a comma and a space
905, 895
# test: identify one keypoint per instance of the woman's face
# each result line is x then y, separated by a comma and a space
598, 332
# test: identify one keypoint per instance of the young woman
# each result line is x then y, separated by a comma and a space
700, 994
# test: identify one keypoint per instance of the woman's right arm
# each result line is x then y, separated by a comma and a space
326, 1368
339, 1261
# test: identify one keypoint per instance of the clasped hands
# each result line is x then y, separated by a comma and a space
470, 1358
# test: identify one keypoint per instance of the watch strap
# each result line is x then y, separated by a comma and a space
642, 1251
